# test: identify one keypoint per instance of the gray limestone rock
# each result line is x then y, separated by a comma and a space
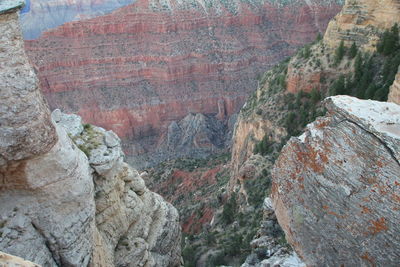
336, 188
25, 125
71, 122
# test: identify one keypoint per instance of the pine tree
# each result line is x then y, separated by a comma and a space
319, 37
353, 50
339, 53
370, 92
389, 42
358, 67
315, 95
338, 87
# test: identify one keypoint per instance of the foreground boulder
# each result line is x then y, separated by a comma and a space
336, 188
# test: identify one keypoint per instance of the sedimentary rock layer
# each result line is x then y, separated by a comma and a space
336, 188
140, 68
361, 21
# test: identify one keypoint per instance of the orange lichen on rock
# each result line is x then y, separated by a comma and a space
378, 226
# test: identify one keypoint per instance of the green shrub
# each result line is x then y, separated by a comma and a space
353, 50
389, 42
229, 210
339, 53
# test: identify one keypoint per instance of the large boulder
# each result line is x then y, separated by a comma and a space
336, 188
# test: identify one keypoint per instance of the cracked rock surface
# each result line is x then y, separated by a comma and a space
336, 188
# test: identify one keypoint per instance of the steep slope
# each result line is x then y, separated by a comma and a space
338, 183
58, 206
140, 68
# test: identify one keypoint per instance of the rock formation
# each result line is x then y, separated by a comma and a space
394, 93
7, 260
361, 21
140, 68
336, 187
58, 205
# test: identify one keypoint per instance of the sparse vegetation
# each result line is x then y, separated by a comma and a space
373, 73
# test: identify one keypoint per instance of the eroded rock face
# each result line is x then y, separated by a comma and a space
135, 227
361, 21
8, 260
46, 190
394, 93
336, 187
25, 129
167, 60
58, 206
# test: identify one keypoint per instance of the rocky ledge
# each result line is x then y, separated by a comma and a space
336, 188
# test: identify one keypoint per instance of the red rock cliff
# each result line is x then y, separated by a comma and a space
143, 66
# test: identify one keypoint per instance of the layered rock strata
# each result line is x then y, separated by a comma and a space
60, 207
336, 187
140, 68
361, 21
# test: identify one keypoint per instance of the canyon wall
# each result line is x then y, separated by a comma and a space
359, 21
67, 196
147, 65
336, 187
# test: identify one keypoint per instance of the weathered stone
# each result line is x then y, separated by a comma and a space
25, 129
136, 227
336, 188
10, 6
394, 92
7, 260
71, 122
111, 139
